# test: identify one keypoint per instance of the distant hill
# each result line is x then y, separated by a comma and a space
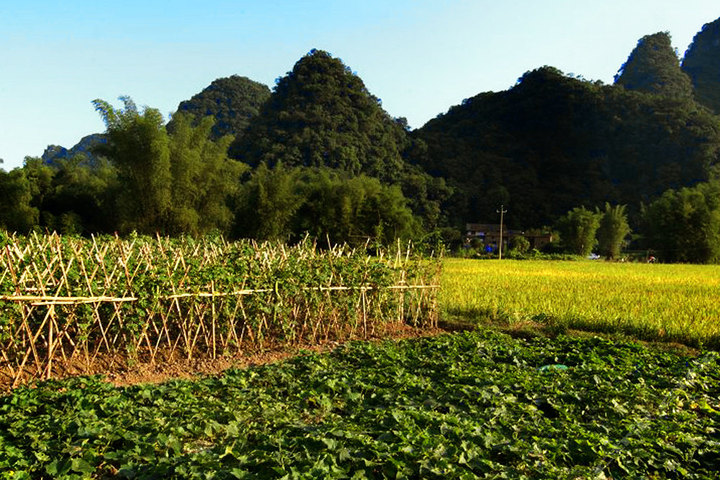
553, 142
654, 67
233, 101
702, 64
84, 147
321, 115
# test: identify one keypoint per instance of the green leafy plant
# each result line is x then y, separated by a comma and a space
454, 406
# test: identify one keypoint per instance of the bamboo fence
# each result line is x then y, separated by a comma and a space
69, 301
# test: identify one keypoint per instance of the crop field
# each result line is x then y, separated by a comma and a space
677, 303
467, 405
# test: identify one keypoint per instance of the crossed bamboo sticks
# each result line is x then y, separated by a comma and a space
49, 321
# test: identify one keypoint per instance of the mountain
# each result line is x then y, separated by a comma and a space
702, 65
321, 114
653, 67
84, 147
553, 142
233, 101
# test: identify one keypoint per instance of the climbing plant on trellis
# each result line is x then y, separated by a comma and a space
71, 300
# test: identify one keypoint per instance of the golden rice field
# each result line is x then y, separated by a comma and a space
679, 303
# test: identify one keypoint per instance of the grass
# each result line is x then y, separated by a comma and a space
669, 303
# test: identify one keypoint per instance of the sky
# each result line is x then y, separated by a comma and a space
420, 57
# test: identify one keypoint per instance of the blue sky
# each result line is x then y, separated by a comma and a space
420, 57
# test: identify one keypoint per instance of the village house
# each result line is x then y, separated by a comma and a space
489, 235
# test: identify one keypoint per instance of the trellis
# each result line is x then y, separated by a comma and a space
68, 301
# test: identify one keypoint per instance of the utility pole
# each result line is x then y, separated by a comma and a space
502, 212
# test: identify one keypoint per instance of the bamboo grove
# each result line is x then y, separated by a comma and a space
72, 303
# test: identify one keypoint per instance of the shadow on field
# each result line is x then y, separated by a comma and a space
547, 326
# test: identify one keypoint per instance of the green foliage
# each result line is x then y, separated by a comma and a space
553, 142
16, 212
80, 197
321, 114
577, 230
138, 146
684, 225
461, 406
144, 298
232, 101
69, 195
519, 244
203, 178
287, 203
173, 183
612, 230
653, 67
700, 64
267, 203
354, 210
426, 196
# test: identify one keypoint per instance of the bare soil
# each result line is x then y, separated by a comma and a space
120, 370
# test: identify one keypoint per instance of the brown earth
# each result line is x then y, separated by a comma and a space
121, 371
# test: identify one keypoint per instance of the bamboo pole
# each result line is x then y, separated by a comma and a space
213, 317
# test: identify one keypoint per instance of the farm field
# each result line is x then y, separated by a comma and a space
656, 302
469, 405
478, 404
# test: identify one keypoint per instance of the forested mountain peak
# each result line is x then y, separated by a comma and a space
654, 67
85, 147
553, 142
233, 101
321, 114
702, 64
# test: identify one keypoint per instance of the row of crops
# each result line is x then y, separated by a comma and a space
73, 305
468, 405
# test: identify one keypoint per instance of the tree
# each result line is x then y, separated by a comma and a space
684, 225
16, 213
353, 209
519, 244
654, 67
577, 230
267, 204
138, 145
40, 179
203, 178
81, 196
612, 230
